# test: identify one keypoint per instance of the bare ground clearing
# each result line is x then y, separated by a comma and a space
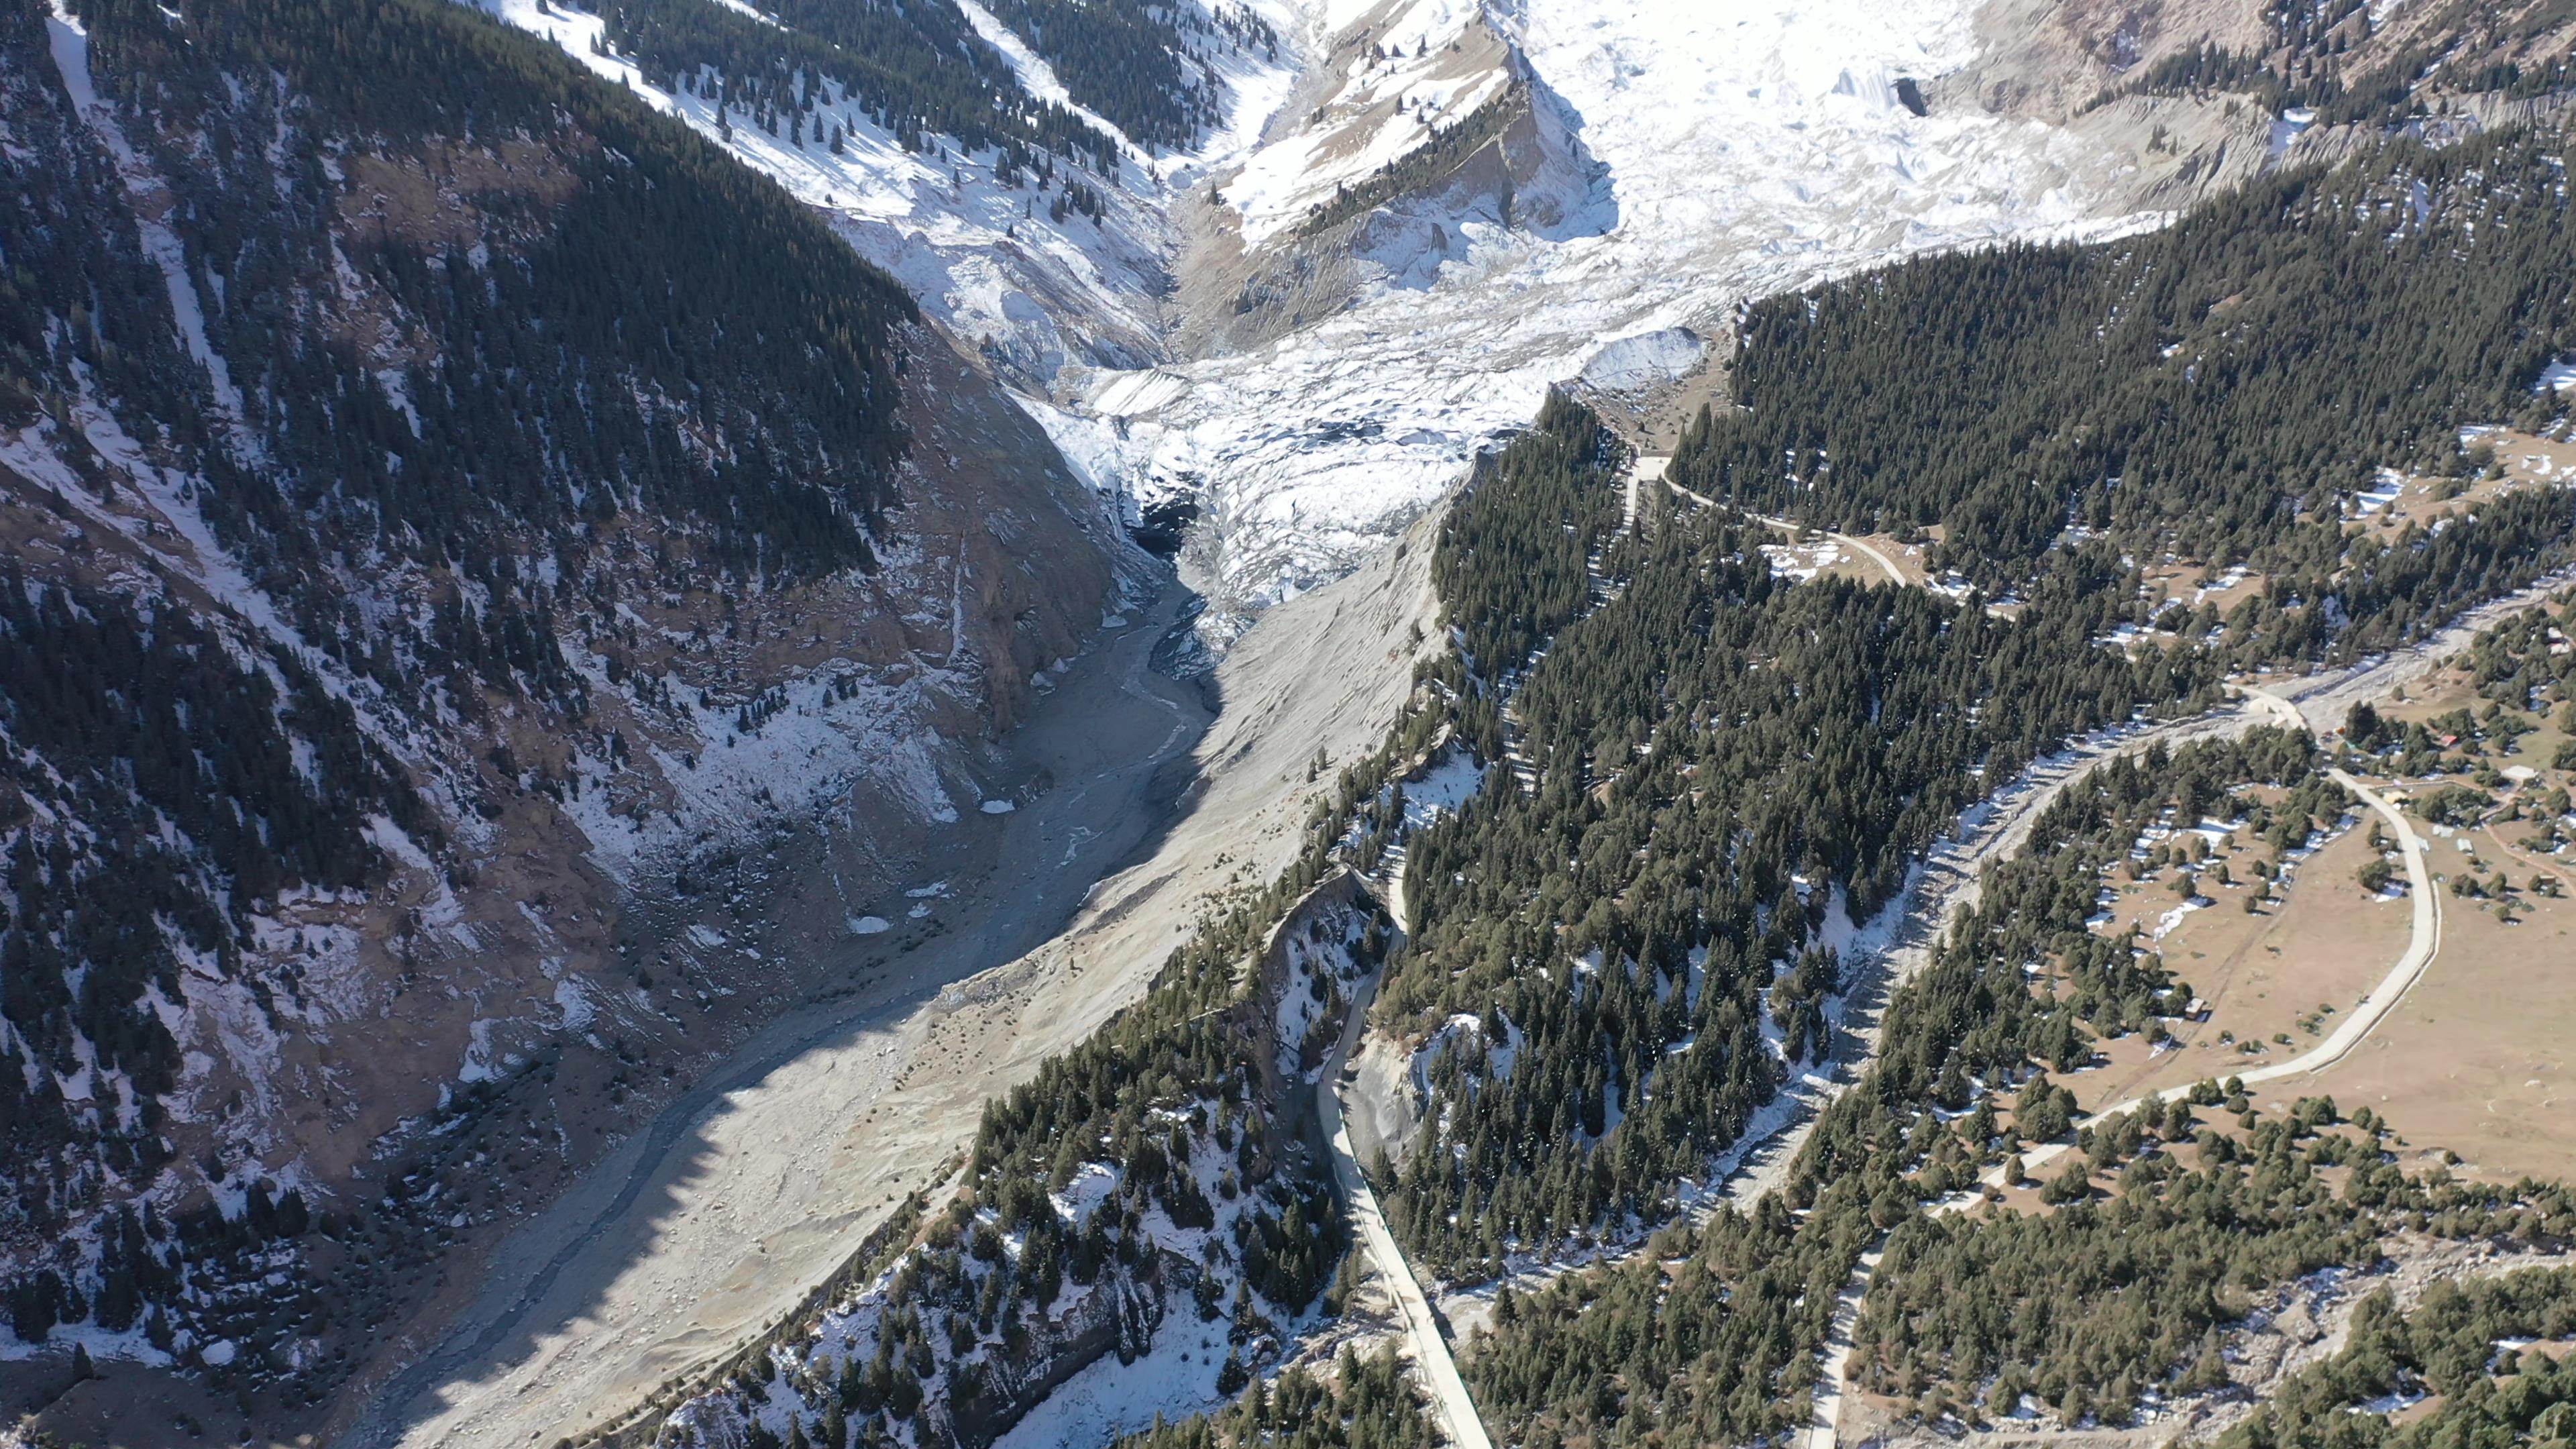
2325, 943
2475, 1059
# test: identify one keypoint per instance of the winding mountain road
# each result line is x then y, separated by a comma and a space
2313, 704
2423, 944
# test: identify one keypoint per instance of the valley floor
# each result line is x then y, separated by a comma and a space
712, 1227
712, 1223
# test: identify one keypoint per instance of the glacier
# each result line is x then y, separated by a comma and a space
1701, 153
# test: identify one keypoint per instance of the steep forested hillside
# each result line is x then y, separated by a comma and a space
2089, 1308
2347, 61
613, 222
1139, 65
1366, 1404
918, 71
921, 72
426, 474
2215, 389
1698, 780
1723, 764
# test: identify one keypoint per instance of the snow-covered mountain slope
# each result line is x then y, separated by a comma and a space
1040, 262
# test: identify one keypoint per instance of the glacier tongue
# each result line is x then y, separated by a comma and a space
1698, 153
1745, 146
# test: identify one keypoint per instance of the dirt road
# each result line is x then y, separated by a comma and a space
1825, 1418
2423, 943
2317, 704
1651, 470
2321, 700
1431, 1359
2409, 968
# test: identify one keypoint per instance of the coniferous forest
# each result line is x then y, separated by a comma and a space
1706, 776
1698, 776
918, 70
2214, 389
759, 419
1692, 766
2107, 1299
383, 325
1722, 760
449, 344
2335, 60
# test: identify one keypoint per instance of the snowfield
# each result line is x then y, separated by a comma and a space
1419, 87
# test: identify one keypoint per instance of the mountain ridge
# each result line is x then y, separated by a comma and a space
493, 628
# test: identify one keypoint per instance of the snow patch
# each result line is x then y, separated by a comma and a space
1631, 363
1173, 1379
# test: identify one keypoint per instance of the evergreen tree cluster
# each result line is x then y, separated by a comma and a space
757, 406
154, 790
2331, 59
1134, 62
1719, 1348
1187, 1069
72, 290
917, 72
2090, 1306
2524, 663
1367, 1403
1513, 565
1718, 756
1724, 1347
2214, 389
